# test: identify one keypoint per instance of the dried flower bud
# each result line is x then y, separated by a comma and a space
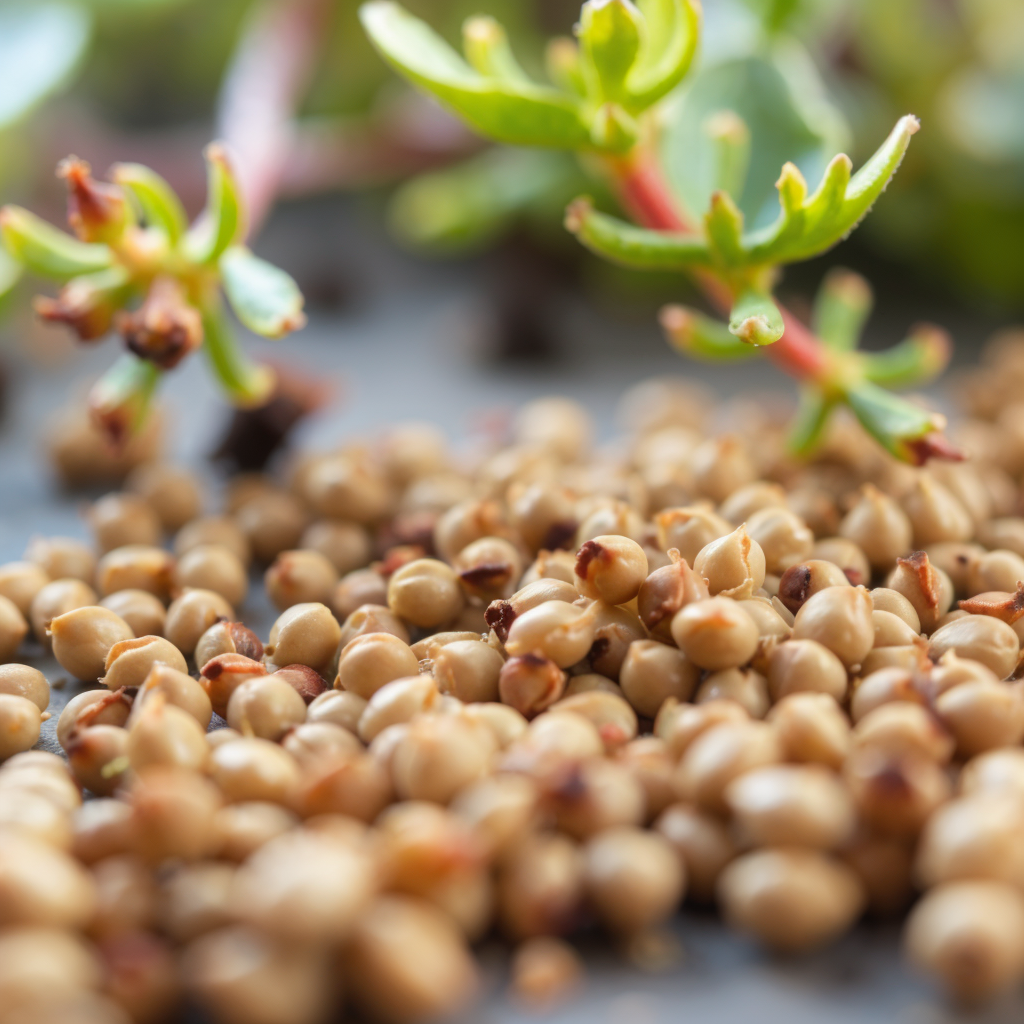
165, 328
96, 211
86, 304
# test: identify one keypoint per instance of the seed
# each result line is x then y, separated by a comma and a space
346, 546
892, 631
251, 768
171, 491
751, 498
178, 689
633, 878
306, 682
243, 977
38, 962
174, 810
935, 514
98, 756
790, 899
895, 794
652, 672
733, 565
995, 570
720, 466
994, 771
469, 670
982, 715
62, 558
771, 626
43, 886
719, 755
884, 869
408, 962
320, 903
160, 733
359, 587
981, 638
879, 527
505, 723
298, 577
305, 634
543, 515
665, 591
243, 828
20, 721
545, 973
315, 741
903, 727
25, 681
213, 567
553, 565
610, 569
272, 522
783, 537
892, 601
224, 674
339, 707
971, 935
370, 661
144, 612
13, 629
847, 556
540, 886
94, 707
500, 809
347, 486
956, 559
489, 569
102, 828
703, 845
356, 785
129, 662
425, 592
689, 529
611, 715
265, 706
191, 615
791, 805
221, 531
62, 595
438, 756
120, 519
745, 686
83, 637
226, 637
679, 724
804, 580
556, 630
135, 567
805, 665
715, 634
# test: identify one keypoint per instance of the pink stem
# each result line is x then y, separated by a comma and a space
645, 195
261, 91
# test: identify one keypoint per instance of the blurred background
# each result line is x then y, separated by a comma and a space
439, 281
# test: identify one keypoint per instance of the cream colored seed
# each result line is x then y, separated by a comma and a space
744, 685
716, 633
266, 706
136, 567
305, 634
373, 660
191, 614
556, 630
840, 619
610, 569
300, 576
62, 558
733, 565
25, 681
805, 665
213, 567
978, 637
812, 729
13, 629
144, 612
83, 637
57, 597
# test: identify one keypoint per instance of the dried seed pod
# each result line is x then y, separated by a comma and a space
840, 619
879, 527
227, 637
144, 612
136, 567
62, 558
213, 567
716, 633
802, 581
802, 665
83, 637
306, 682
665, 591
689, 529
982, 638
222, 675
56, 598
732, 566
652, 672
970, 934
790, 899
128, 662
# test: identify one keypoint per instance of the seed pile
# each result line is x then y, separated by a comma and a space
526, 693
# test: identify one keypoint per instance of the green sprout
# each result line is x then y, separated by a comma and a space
606, 103
137, 267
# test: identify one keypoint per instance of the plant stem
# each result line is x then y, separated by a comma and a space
646, 196
247, 384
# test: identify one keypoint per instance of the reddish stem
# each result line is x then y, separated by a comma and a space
645, 195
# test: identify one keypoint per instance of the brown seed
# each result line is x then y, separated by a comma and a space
438, 756
995, 570
840, 619
227, 637
892, 601
556, 630
720, 466
903, 727
689, 529
679, 724
982, 715
804, 580
703, 844
356, 785
790, 899
191, 615
160, 733
98, 756
545, 973
956, 559
20, 721
310, 742
244, 827
42, 886
171, 491
306, 682
665, 591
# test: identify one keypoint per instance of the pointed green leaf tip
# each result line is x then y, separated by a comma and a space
157, 200
514, 111
48, 251
702, 337
669, 45
264, 297
222, 222
609, 32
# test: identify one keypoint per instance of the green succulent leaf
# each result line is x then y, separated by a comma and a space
810, 226
48, 251
723, 224
730, 140
898, 425
486, 45
562, 61
160, 206
222, 223
810, 421
519, 113
610, 36
916, 360
10, 273
40, 46
121, 399
264, 297
841, 309
669, 45
635, 247
697, 335
246, 384
755, 319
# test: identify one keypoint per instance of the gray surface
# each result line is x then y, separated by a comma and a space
417, 357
